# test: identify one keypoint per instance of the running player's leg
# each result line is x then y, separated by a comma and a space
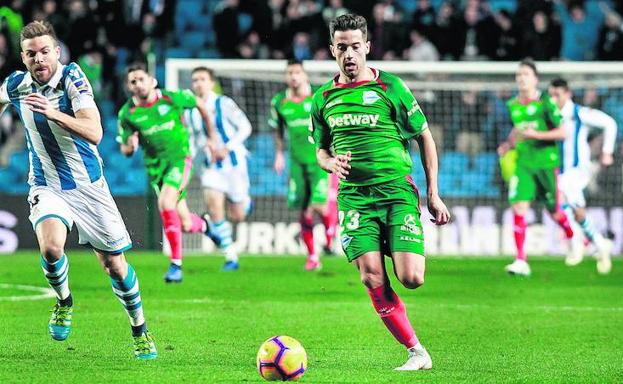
405, 240
215, 201
549, 193
324, 204
171, 222
521, 191
126, 287
299, 195
51, 219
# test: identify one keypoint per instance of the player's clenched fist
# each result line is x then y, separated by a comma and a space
340, 165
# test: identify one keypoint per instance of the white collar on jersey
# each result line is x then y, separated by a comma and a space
54, 80
567, 109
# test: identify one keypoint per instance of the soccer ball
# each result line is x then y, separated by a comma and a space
281, 358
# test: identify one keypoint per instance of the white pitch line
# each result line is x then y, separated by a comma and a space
45, 293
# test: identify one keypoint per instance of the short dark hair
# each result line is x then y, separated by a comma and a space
559, 82
294, 62
530, 64
207, 70
136, 66
349, 22
38, 28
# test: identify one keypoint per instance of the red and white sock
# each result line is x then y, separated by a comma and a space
519, 230
394, 314
563, 222
307, 234
198, 225
173, 231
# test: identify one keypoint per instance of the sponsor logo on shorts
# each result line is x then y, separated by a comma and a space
411, 239
410, 225
346, 241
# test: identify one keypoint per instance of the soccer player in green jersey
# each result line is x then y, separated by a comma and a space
310, 189
537, 129
362, 122
153, 119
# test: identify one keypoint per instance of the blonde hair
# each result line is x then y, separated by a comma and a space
36, 29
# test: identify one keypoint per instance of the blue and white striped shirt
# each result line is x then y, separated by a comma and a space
232, 128
58, 158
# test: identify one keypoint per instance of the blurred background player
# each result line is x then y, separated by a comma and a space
225, 177
362, 121
153, 118
308, 187
537, 127
575, 172
67, 185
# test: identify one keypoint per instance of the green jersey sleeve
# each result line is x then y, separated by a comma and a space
553, 116
275, 119
185, 99
124, 128
410, 118
320, 132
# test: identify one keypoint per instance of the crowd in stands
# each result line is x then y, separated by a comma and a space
103, 36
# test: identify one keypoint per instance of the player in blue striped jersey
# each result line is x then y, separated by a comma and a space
226, 178
575, 172
67, 187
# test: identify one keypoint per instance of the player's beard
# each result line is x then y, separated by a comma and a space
42, 73
350, 69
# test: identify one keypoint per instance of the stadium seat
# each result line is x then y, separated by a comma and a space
486, 162
209, 54
454, 162
179, 52
194, 40
19, 162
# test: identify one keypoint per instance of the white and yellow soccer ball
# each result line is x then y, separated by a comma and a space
281, 358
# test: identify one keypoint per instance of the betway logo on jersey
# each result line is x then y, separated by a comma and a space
157, 128
348, 119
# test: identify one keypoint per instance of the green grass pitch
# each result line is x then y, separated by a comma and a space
480, 325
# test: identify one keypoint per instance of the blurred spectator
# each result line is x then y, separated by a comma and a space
446, 31
12, 21
468, 121
333, 9
304, 16
49, 11
476, 34
301, 49
80, 19
508, 44
253, 48
421, 48
387, 30
91, 64
580, 29
226, 27
424, 18
541, 40
8, 61
610, 46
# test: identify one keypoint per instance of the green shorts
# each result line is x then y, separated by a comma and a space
173, 172
534, 184
383, 217
308, 185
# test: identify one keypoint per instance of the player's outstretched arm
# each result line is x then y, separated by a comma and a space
205, 115
556, 134
85, 124
130, 146
428, 154
338, 164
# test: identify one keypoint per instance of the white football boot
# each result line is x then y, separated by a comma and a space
575, 251
518, 267
418, 359
604, 264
